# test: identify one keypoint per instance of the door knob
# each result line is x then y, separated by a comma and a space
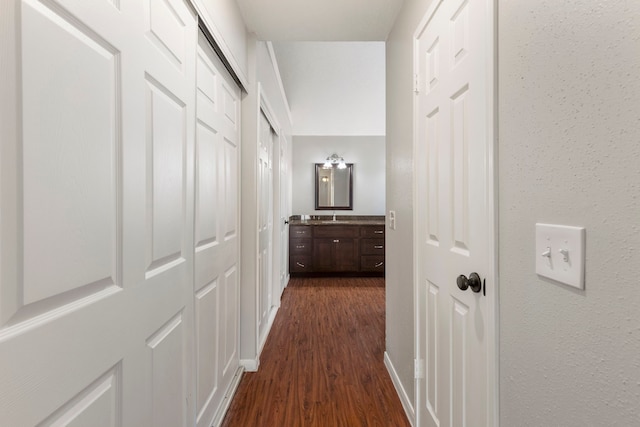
472, 282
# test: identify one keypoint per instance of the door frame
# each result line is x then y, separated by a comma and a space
491, 161
265, 108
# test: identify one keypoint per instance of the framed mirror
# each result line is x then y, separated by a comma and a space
334, 187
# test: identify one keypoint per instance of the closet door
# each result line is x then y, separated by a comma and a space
96, 227
265, 227
216, 290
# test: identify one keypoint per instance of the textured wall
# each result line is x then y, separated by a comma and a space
569, 124
367, 155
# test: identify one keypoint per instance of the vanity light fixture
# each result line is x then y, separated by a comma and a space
334, 159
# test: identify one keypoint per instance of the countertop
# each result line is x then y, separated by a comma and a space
339, 221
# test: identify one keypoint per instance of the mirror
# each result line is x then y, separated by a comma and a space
334, 187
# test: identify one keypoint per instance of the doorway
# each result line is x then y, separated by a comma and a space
455, 252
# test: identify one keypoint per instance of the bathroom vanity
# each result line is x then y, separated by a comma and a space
348, 245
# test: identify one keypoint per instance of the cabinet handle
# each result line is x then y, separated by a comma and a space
378, 231
378, 247
336, 241
299, 264
300, 247
379, 264
300, 232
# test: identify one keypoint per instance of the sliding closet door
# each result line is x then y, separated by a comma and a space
216, 290
96, 223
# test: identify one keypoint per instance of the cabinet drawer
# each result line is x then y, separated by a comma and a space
300, 263
372, 246
376, 231
336, 231
372, 263
297, 231
300, 246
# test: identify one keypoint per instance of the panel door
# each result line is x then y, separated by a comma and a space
216, 287
452, 214
265, 225
96, 225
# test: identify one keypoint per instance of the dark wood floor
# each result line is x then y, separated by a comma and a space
322, 364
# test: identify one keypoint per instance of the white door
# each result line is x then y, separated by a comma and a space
216, 290
265, 227
453, 215
284, 213
96, 223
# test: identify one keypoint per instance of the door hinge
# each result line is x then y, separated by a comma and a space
416, 83
418, 368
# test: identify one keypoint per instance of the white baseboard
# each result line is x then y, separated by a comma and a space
250, 365
402, 394
228, 398
271, 318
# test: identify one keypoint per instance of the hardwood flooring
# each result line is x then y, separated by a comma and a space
322, 364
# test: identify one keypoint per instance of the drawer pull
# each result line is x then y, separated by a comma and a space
379, 264
300, 246
378, 231
378, 247
300, 232
299, 264
336, 241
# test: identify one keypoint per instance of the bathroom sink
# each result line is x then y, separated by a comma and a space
339, 221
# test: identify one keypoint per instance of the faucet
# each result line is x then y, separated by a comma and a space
334, 215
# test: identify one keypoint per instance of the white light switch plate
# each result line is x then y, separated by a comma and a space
392, 220
560, 253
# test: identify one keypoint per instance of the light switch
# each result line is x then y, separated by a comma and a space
392, 220
560, 253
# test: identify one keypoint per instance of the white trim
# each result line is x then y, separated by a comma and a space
256, 224
228, 398
276, 69
421, 27
416, 247
250, 365
402, 394
493, 295
493, 354
265, 107
217, 36
267, 331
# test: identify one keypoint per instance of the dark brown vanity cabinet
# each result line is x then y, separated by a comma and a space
335, 248
372, 248
300, 246
332, 248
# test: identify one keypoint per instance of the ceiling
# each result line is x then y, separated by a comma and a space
320, 20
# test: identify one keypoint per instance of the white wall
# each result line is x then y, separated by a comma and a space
260, 70
399, 152
367, 155
334, 88
569, 154
272, 87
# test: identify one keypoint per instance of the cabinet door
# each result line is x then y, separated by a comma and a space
345, 255
323, 254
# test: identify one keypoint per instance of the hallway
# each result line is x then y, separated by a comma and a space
322, 364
